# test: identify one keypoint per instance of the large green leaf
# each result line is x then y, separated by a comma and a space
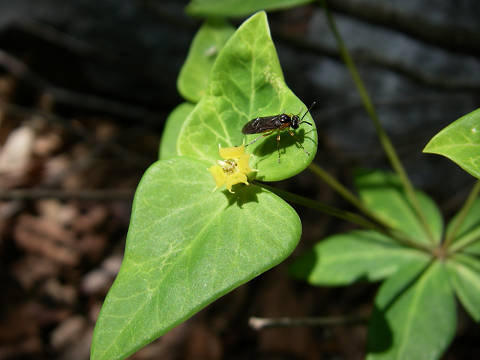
187, 246
168, 143
383, 194
238, 7
414, 315
464, 273
246, 81
193, 79
460, 142
358, 255
469, 231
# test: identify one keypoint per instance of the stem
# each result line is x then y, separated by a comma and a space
327, 209
344, 215
462, 214
383, 137
345, 193
61, 194
258, 323
464, 242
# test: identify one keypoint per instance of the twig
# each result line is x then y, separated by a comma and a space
369, 58
93, 194
84, 101
258, 323
453, 38
343, 109
315, 48
50, 34
77, 130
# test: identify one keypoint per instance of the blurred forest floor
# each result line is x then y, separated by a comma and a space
78, 127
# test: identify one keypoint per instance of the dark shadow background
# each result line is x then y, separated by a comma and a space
85, 88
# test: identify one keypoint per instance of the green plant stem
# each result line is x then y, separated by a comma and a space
462, 214
344, 215
463, 243
384, 140
327, 209
345, 193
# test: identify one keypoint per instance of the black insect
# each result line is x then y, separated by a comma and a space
269, 124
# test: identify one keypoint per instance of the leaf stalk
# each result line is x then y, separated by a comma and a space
344, 215
462, 214
383, 137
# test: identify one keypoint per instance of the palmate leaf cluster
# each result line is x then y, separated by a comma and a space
187, 245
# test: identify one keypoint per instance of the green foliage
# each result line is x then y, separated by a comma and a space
236, 8
417, 292
468, 235
187, 245
168, 143
383, 194
193, 79
358, 255
246, 81
460, 142
414, 315
464, 273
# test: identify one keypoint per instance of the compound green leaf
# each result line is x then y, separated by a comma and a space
383, 194
464, 273
187, 246
238, 7
168, 143
193, 79
469, 232
414, 315
460, 142
358, 255
246, 82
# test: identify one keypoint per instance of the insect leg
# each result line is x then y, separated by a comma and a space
278, 145
298, 142
258, 137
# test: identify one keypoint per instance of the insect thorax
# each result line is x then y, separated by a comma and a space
284, 119
295, 121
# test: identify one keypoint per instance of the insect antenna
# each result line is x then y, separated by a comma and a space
306, 112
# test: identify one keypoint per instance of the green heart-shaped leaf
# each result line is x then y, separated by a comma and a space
414, 315
460, 142
193, 79
383, 194
358, 255
464, 273
168, 143
246, 82
238, 7
187, 246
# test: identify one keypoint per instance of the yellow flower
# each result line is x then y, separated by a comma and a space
233, 169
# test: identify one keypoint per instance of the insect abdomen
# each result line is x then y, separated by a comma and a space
253, 126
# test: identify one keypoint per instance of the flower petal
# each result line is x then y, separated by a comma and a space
218, 175
235, 179
243, 165
232, 152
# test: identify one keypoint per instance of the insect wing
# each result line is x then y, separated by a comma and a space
261, 124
